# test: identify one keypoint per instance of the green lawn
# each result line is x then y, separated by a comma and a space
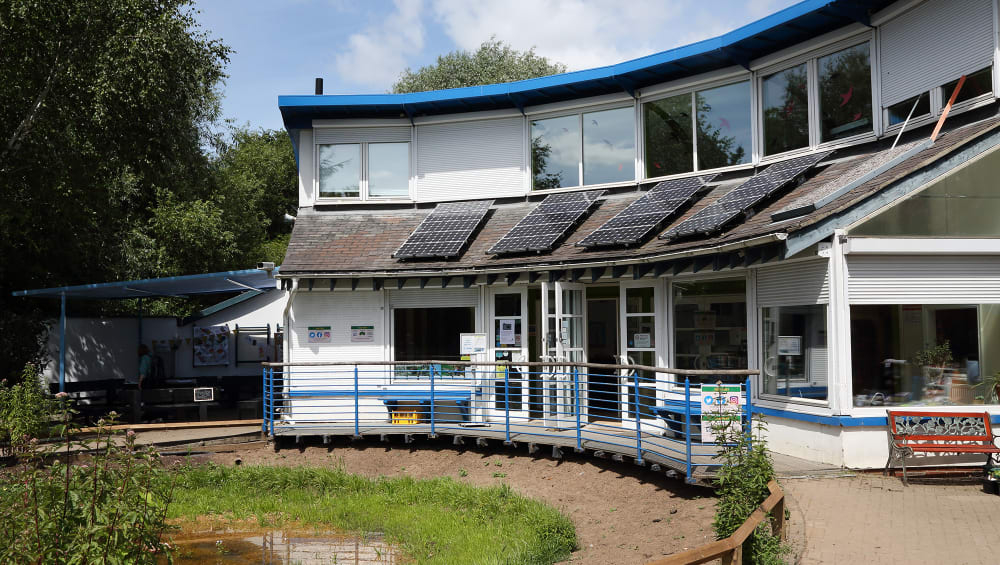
432, 521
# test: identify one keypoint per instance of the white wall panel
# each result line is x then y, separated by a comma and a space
794, 284
923, 279
467, 160
339, 310
934, 43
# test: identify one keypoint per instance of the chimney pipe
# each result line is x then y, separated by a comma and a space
319, 85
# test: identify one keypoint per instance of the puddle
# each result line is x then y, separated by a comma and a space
284, 548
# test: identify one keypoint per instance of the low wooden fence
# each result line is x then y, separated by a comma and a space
730, 549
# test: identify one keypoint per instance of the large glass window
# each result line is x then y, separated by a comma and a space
710, 319
925, 354
340, 170
364, 170
845, 93
795, 356
786, 110
609, 146
600, 146
724, 126
976, 84
900, 110
421, 334
669, 147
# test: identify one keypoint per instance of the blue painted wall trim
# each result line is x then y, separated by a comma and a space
843, 421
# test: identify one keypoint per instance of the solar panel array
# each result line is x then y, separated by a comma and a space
547, 223
744, 196
640, 218
445, 231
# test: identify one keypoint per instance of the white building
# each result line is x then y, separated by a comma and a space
797, 238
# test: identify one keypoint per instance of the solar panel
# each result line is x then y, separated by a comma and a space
445, 231
646, 213
547, 223
745, 196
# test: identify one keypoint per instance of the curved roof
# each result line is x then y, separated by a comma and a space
782, 29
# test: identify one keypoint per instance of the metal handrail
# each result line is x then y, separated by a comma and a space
687, 372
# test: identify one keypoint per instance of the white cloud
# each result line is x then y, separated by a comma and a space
375, 56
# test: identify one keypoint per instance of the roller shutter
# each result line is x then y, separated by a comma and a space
793, 284
923, 279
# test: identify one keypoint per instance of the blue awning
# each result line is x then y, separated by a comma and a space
187, 285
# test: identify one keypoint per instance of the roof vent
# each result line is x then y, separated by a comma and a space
319, 86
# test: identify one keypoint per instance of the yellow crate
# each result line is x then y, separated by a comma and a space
406, 416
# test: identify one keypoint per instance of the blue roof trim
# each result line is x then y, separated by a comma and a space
772, 33
839, 421
204, 283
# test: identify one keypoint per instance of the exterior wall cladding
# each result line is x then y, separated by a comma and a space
837, 284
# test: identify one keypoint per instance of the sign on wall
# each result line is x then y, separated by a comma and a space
507, 333
319, 334
362, 334
210, 345
789, 345
471, 344
720, 408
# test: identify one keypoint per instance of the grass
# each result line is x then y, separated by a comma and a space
432, 520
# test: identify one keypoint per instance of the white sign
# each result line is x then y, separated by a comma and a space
471, 344
642, 340
507, 332
362, 334
720, 408
789, 345
319, 334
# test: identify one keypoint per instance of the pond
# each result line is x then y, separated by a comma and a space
273, 547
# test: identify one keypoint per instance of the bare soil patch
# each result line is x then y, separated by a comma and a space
624, 514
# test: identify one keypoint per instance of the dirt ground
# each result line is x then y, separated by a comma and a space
624, 514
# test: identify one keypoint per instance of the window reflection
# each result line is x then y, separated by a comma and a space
795, 351
340, 170
900, 110
976, 84
724, 126
710, 332
555, 152
388, 169
609, 146
669, 146
786, 110
845, 93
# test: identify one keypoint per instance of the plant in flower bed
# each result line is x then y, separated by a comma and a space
108, 508
741, 486
25, 412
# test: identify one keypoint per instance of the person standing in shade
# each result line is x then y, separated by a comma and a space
133, 385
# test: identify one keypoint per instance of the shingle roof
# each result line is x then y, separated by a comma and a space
362, 241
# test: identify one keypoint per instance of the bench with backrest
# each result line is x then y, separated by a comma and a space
911, 432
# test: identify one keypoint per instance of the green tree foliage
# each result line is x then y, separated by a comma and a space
493, 62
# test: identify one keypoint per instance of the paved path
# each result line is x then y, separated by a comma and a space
873, 519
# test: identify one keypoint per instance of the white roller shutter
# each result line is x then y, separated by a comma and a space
934, 43
388, 134
469, 160
794, 284
434, 298
923, 279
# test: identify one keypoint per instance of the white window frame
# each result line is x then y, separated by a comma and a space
363, 194
811, 59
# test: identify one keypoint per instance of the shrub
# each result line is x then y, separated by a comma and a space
109, 509
25, 412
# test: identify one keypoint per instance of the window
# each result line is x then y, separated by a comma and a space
845, 93
844, 105
364, 170
720, 135
924, 354
710, 319
794, 348
420, 334
899, 111
976, 85
589, 148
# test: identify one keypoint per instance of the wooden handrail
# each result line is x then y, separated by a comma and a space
731, 549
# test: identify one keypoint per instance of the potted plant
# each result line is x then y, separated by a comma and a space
979, 400
933, 361
990, 387
991, 483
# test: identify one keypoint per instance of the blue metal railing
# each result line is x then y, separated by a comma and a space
642, 412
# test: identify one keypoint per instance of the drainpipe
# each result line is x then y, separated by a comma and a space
288, 308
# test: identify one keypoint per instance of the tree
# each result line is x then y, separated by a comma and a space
494, 62
104, 107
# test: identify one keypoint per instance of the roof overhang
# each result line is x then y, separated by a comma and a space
187, 285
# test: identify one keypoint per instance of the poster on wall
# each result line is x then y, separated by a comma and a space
472, 344
319, 334
507, 332
210, 345
362, 334
720, 408
789, 345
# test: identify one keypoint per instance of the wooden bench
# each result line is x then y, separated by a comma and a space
939, 432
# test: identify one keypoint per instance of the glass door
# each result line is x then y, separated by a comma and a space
510, 343
565, 339
639, 342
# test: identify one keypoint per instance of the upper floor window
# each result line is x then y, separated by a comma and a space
364, 170
976, 85
844, 100
699, 130
581, 149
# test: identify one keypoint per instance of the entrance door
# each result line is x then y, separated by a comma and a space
509, 313
603, 389
565, 338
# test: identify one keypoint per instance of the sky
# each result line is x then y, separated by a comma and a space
361, 47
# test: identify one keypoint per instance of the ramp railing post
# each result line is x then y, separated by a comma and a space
263, 389
638, 419
357, 404
433, 433
687, 425
270, 412
576, 396
749, 417
506, 402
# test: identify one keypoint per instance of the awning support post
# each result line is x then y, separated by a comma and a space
62, 342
